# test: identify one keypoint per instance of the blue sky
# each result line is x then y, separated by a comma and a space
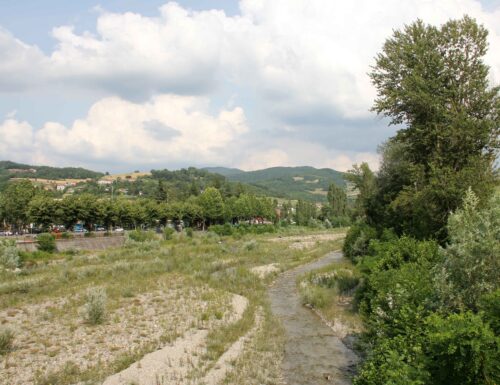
121, 85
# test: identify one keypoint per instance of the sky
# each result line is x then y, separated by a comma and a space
126, 85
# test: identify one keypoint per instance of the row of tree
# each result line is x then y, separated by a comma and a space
21, 204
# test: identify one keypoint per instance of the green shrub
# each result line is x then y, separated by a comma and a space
168, 233
66, 235
46, 242
9, 254
462, 349
396, 362
346, 280
340, 221
90, 234
189, 232
358, 239
317, 297
471, 265
6, 340
250, 245
223, 230
489, 305
141, 236
95, 306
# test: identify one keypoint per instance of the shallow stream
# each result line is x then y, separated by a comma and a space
313, 354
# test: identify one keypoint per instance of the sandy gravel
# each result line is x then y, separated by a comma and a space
172, 363
52, 334
169, 365
301, 242
263, 271
224, 364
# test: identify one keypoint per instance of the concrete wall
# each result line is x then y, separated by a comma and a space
80, 243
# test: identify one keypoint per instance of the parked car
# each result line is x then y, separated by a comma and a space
119, 230
100, 228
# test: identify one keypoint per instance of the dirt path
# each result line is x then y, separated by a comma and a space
313, 354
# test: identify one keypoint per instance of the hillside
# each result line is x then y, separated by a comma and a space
307, 183
10, 170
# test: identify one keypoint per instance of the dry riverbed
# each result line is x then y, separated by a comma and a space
186, 311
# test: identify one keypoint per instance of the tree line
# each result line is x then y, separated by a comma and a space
22, 204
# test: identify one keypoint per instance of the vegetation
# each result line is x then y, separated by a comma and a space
6, 340
434, 82
10, 170
95, 307
427, 239
46, 242
9, 254
304, 183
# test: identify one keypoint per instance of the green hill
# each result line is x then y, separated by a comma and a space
10, 170
306, 183
224, 171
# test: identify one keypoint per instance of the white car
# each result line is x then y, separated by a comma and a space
119, 230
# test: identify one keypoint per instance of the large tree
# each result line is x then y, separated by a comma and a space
433, 82
212, 205
14, 203
337, 200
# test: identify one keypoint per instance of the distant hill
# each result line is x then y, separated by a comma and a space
10, 170
306, 183
224, 171
19, 170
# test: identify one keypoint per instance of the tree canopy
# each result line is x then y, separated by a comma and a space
433, 82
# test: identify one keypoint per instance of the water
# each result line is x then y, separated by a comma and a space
313, 354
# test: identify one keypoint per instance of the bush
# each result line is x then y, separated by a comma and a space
396, 362
168, 233
250, 245
489, 305
9, 255
358, 239
46, 242
317, 297
95, 306
89, 234
471, 266
66, 235
6, 340
462, 350
189, 232
141, 236
223, 230
346, 280
340, 221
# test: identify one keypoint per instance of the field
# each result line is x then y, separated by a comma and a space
130, 176
188, 310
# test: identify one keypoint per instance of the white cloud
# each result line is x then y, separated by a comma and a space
21, 66
16, 140
166, 129
291, 152
302, 56
305, 62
